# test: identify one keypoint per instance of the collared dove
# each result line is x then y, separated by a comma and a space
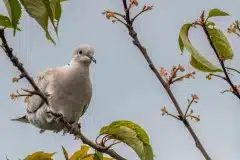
68, 89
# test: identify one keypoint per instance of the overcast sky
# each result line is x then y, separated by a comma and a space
123, 85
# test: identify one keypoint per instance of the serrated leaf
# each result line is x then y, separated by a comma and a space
65, 153
40, 156
221, 43
80, 153
131, 134
15, 11
217, 12
37, 9
197, 60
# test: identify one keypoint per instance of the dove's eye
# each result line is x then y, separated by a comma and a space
80, 51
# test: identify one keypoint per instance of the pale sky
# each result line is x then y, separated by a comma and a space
123, 86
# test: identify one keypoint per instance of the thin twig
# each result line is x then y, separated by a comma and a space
119, 20
181, 77
24, 95
174, 73
238, 30
185, 115
169, 114
20, 67
142, 11
177, 79
216, 75
144, 52
115, 13
233, 69
225, 91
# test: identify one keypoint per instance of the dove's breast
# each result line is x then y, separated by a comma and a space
72, 90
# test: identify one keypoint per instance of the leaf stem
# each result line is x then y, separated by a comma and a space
142, 11
216, 75
169, 114
185, 115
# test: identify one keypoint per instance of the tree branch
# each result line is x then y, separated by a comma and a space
37, 91
95, 146
144, 52
19, 65
229, 68
236, 92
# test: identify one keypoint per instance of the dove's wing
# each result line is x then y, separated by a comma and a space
43, 81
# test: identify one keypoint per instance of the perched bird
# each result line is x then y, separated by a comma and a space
68, 90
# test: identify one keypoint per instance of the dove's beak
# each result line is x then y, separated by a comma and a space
93, 59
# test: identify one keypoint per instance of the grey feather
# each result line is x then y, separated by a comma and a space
22, 119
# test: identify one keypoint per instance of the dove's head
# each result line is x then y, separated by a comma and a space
83, 54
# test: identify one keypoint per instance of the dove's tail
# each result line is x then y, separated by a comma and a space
22, 119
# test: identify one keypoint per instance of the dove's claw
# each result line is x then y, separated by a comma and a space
58, 117
75, 128
64, 131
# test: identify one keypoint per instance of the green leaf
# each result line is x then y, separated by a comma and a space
50, 13
15, 11
87, 157
197, 61
209, 23
65, 153
37, 9
221, 43
40, 156
181, 45
98, 155
80, 153
131, 134
5, 21
217, 12
57, 11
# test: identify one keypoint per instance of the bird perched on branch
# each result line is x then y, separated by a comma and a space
68, 90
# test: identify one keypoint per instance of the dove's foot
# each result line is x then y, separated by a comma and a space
72, 128
57, 117
75, 128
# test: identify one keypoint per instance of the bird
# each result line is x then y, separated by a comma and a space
68, 90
